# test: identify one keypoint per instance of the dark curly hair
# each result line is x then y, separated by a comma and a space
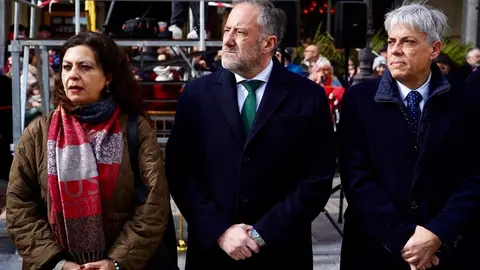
113, 61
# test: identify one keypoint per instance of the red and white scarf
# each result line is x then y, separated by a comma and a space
83, 165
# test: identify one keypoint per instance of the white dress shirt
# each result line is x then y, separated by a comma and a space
423, 90
242, 91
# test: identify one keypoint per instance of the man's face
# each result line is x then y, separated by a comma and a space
44, 34
474, 58
241, 39
410, 53
310, 53
22, 35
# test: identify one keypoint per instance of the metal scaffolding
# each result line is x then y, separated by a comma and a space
19, 90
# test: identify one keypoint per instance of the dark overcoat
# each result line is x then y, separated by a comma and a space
278, 178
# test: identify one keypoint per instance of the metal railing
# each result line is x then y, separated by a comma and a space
19, 90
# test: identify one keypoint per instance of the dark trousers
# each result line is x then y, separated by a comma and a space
180, 13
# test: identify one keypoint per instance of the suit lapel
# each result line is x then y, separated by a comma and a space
274, 93
226, 95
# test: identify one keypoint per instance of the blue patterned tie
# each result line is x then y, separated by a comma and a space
413, 105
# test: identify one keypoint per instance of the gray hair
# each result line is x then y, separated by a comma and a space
420, 16
322, 62
272, 21
471, 51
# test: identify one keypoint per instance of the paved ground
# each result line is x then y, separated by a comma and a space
326, 241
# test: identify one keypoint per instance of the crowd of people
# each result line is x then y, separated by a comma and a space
252, 154
155, 64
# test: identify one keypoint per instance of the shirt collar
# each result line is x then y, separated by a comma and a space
423, 90
262, 76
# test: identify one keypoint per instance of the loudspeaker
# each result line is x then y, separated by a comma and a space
292, 10
351, 25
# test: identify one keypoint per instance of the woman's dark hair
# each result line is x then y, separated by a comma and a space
113, 61
444, 59
45, 27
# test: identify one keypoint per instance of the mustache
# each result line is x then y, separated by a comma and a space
234, 49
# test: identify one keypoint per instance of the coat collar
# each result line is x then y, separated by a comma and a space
387, 90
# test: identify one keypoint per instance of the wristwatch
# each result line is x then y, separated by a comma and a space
257, 238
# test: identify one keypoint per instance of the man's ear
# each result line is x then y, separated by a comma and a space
436, 49
270, 43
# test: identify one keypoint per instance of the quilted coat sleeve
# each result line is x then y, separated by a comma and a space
144, 232
27, 222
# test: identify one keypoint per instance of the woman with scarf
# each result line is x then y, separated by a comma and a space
71, 201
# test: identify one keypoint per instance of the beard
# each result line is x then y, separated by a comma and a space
241, 62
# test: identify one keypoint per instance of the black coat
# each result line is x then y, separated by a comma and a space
393, 183
6, 131
277, 179
473, 80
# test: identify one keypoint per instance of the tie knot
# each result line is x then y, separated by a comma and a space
414, 98
251, 85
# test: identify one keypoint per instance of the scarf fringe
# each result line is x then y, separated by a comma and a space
88, 257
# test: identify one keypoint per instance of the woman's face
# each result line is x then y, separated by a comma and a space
445, 69
351, 67
325, 71
380, 70
82, 77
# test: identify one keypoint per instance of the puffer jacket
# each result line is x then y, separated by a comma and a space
132, 232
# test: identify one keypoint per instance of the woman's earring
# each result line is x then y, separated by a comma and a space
107, 89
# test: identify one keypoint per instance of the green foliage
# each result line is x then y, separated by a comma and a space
326, 48
379, 40
456, 50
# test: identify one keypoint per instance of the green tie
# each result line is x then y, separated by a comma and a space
250, 106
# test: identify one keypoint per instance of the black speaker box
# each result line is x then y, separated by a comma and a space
350, 24
292, 10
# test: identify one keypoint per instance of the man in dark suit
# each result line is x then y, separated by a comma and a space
410, 157
251, 169
473, 79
